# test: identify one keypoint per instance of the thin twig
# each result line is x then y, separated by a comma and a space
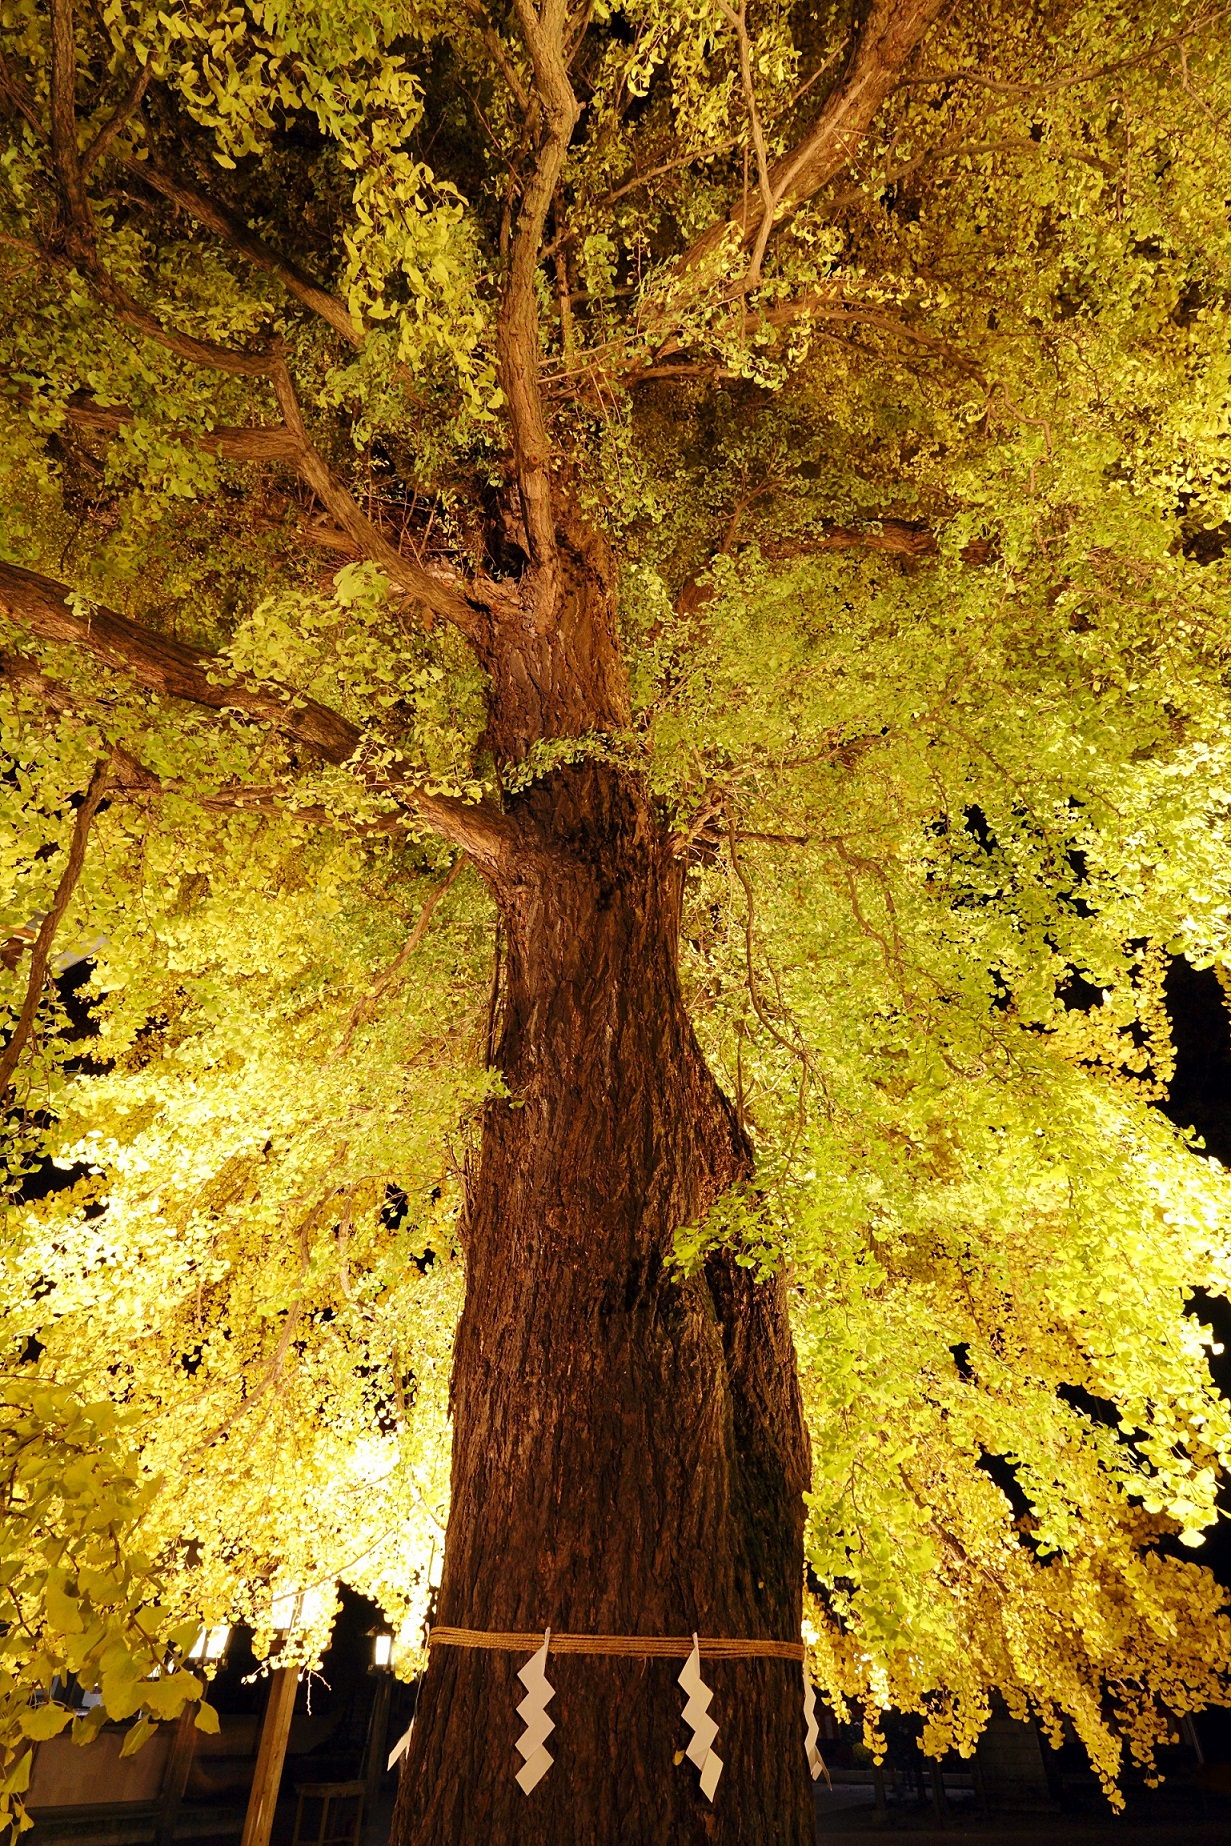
364, 1006
21, 99
568, 236
796, 1047
1001, 88
272, 1372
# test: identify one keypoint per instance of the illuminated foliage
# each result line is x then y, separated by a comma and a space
919, 494
78, 1596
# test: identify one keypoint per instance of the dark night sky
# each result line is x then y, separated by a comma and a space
1201, 1029
1201, 1098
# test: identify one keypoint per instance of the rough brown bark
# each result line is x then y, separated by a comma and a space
565, 678
258, 442
629, 1454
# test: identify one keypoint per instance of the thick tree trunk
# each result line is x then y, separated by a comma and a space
629, 1456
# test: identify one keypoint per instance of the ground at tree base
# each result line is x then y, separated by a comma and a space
845, 1811
1038, 1833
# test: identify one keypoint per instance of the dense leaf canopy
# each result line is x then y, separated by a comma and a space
919, 488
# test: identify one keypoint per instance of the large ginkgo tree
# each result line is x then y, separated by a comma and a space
615, 693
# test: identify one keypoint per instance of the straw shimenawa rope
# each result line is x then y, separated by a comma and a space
647, 1646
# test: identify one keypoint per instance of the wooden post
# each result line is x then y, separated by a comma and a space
938, 1792
175, 1775
276, 1729
378, 1737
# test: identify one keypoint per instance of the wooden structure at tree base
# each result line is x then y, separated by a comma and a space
271, 1755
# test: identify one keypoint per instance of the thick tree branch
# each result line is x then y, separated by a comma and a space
162, 665
175, 670
518, 331
64, 156
133, 778
409, 576
51, 922
183, 345
80, 254
500, 56
79, 243
738, 21
478, 827
291, 443
329, 538
259, 442
129, 776
235, 232
888, 38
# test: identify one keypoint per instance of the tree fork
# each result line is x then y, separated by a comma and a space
629, 1454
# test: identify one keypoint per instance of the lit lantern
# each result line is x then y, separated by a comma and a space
294, 1610
209, 1648
286, 1610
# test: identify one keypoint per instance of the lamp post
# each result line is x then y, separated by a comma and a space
378, 1725
208, 1654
